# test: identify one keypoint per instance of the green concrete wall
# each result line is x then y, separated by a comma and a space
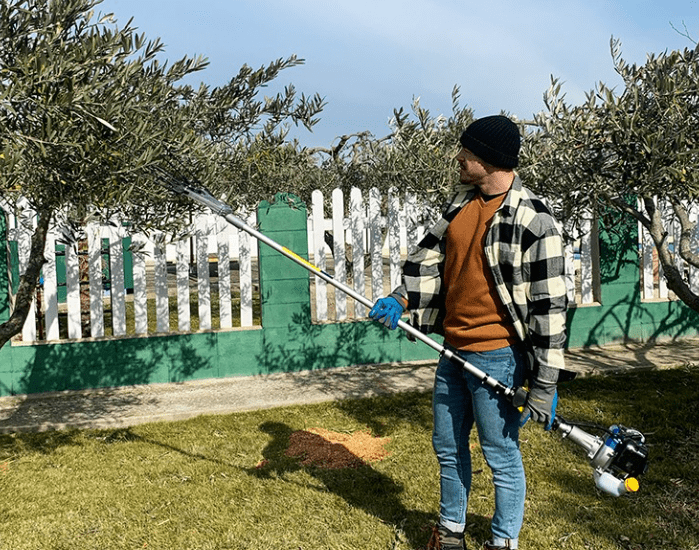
621, 314
288, 341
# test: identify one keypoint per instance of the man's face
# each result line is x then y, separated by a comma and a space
473, 169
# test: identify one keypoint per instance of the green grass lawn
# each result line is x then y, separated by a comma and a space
220, 482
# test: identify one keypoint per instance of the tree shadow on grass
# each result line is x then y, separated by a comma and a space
663, 404
360, 485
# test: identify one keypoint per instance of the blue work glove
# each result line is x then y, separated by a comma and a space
541, 404
387, 311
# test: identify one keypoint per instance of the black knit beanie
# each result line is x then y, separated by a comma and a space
494, 139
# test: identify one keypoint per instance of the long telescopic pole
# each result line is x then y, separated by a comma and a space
200, 195
605, 478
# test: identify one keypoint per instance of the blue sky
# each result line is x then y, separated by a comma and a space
367, 57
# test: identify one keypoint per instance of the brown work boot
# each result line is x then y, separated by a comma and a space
444, 539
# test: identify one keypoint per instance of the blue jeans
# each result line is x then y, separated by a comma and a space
459, 401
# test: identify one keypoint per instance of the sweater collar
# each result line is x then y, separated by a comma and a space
508, 206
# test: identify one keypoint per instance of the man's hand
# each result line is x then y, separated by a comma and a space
541, 404
387, 311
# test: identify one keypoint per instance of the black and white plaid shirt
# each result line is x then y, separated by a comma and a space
524, 250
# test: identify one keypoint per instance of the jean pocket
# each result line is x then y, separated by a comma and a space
500, 364
503, 354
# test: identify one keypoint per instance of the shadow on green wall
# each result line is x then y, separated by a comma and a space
631, 320
618, 248
303, 345
622, 316
107, 365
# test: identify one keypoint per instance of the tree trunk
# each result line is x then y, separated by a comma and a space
688, 229
28, 281
673, 276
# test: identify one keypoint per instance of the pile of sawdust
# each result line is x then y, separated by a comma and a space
332, 450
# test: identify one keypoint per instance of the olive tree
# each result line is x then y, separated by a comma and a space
91, 119
417, 155
629, 150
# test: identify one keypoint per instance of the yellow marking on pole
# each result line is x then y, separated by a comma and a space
302, 260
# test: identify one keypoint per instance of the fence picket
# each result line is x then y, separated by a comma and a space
140, 285
24, 230
394, 238
676, 237
203, 281
162, 301
73, 291
318, 221
668, 222
375, 243
411, 223
183, 309
647, 251
224, 274
357, 224
586, 263
694, 245
245, 259
340, 266
94, 258
117, 291
570, 272
50, 290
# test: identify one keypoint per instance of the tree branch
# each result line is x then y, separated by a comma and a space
27, 282
674, 277
687, 230
623, 206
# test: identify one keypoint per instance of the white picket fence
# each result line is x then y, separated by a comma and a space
366, 250
153, 281
384, 241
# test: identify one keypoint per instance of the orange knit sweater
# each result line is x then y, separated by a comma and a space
475, 318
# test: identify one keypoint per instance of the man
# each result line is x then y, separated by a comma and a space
489, 276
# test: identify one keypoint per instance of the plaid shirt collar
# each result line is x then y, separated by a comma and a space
465, 192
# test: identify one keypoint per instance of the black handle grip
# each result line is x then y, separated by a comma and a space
519, 398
